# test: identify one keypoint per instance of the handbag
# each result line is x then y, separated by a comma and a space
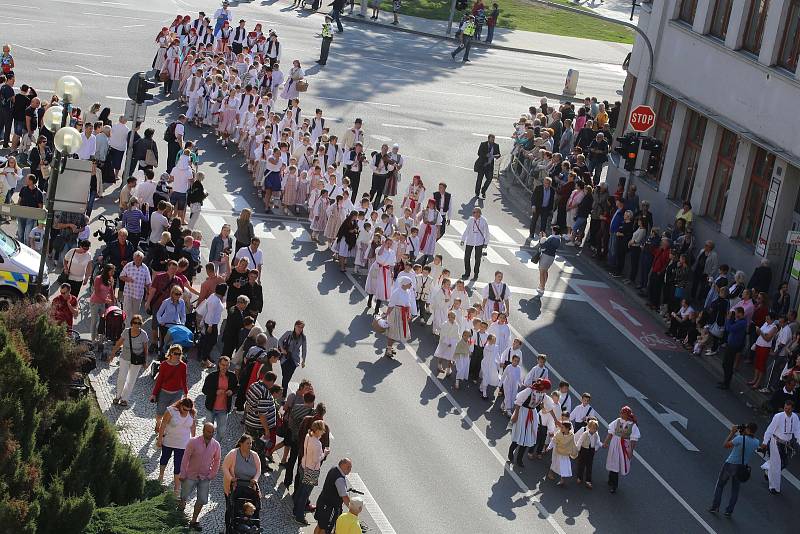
743, 473
150, 158
302, 86
163, 76
63, 277
536, 255
136, 358
310, 476
378, 325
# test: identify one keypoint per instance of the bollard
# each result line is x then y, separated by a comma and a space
571, 83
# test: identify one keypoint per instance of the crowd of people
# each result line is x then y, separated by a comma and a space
231, 83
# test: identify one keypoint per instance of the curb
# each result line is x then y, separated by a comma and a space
481, 44
561, 97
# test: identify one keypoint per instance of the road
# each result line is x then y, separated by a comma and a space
432, 457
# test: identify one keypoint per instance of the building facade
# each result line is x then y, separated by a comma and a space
725, 84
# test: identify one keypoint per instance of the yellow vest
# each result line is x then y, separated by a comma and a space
326, 31
469, 29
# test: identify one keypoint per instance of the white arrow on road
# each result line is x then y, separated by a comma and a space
666, 419
624, 311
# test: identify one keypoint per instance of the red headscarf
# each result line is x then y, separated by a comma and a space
543, 384
627, 412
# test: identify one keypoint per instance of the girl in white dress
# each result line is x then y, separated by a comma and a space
461, 355
415, 195
441, 301
336, 215
449, 334
362, 247
319, 215
499, 327
623, 434
428, 221
511, 382
490, 366
563, 446
525, 419
402, 306
301, 192
290, 187
379, 277
290, 87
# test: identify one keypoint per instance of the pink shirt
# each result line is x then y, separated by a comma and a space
312, 453
221, 402
200, 460
101, 293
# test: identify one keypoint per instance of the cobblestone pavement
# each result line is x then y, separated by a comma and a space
136, 425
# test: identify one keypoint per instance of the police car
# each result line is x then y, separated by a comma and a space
19, 266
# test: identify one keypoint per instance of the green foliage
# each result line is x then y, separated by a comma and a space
62, 514
128, 470
157, 515
94, 462
63, 434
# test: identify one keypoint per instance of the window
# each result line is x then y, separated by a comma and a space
790, 45
756, 196
721, 181
688, 8
665, 112
754, 30
720, 18
696, 129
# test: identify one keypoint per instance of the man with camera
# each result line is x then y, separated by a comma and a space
780, 439
736, 468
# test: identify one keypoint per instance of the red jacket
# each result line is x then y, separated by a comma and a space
660, 259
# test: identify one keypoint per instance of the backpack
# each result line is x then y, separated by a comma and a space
169, 134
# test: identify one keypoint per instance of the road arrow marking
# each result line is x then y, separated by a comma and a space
624, 311
666, 419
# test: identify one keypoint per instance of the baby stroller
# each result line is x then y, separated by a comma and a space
112, 324
237, 521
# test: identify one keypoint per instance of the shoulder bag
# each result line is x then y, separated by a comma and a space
310, 476
150, 158
63, 277
136, 358
743, 473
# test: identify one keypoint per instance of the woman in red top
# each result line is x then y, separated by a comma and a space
171, 383
102, 296
64, 308
656, 280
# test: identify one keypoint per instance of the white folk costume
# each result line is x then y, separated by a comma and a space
449, 336
461, 355
301, 190
290, 89
508, 354
319, 214
490, 367
526, 424
495, 296
401, 307
414, 197
535, 374
502, 334
429, 221
441, 302
511, 381
379, 278
618, 461
362, 248
336, 216
778, 436
580, 414
563, 446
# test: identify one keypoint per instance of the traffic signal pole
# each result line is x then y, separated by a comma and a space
129, 152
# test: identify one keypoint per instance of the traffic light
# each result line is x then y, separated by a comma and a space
654, 147
138, 87
628, 148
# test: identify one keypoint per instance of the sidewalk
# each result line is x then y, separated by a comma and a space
514, 40
613, 9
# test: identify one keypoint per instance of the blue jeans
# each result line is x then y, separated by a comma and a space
728, 472
489, 34
335, 14
9, 194
301, 495
220, 419
612, 248
24, 227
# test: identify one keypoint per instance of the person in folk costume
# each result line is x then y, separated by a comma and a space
173, 27
428, 221
511, 381
213, 99
276, 79
783, 430
547, 426
502, 332
162, 42
587, 442
172, 66
183, 29
319, 215
353, 135
222, 42
296, 74
301, 192
564, 450
252, 39
461, 357
239, 37
581, 414
362, 247
496, 296
402, 306
449, 335
259, 158
623, 434
314, 193
205, 35
189, 67
272, 177
195, 92
289, 198
379, 276
221, 16
415, 195
190, 43
273, 49
246, 121
336, 216
441, 301
260, 48
460, 292
490, 367
537, 371
346, 237
227, 123
525, 419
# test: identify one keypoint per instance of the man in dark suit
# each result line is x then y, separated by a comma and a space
542, 202
488, 151
442, 198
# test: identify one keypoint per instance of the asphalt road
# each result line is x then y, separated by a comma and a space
433, 457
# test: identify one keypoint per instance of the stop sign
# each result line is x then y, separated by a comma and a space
642, 118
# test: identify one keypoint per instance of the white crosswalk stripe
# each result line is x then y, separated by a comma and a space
500, 235
524, 232
458, 226
451, 248
237, 202
493, 257
214, 222
262, 231
562, 264
298, 232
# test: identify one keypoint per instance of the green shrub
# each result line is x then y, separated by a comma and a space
157, 515
62, 514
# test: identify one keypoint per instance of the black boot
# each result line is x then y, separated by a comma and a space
377, 306
511, 452
520, 454
369, 302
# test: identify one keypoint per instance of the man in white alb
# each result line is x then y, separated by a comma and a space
780, 439
475, 237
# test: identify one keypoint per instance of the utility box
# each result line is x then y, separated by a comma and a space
571, 83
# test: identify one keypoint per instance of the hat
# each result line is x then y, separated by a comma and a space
543, 384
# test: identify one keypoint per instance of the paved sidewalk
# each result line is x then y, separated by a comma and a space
136, 424
614, 9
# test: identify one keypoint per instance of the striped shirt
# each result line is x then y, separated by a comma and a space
259, 402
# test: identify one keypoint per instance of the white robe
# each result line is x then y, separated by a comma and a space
379, 278
449, 334
502, 334
619, 450
523, 430
490, 367
441, 301
536, 373
783, 428
512, 379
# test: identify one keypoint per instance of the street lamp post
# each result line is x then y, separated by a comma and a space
67, 141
